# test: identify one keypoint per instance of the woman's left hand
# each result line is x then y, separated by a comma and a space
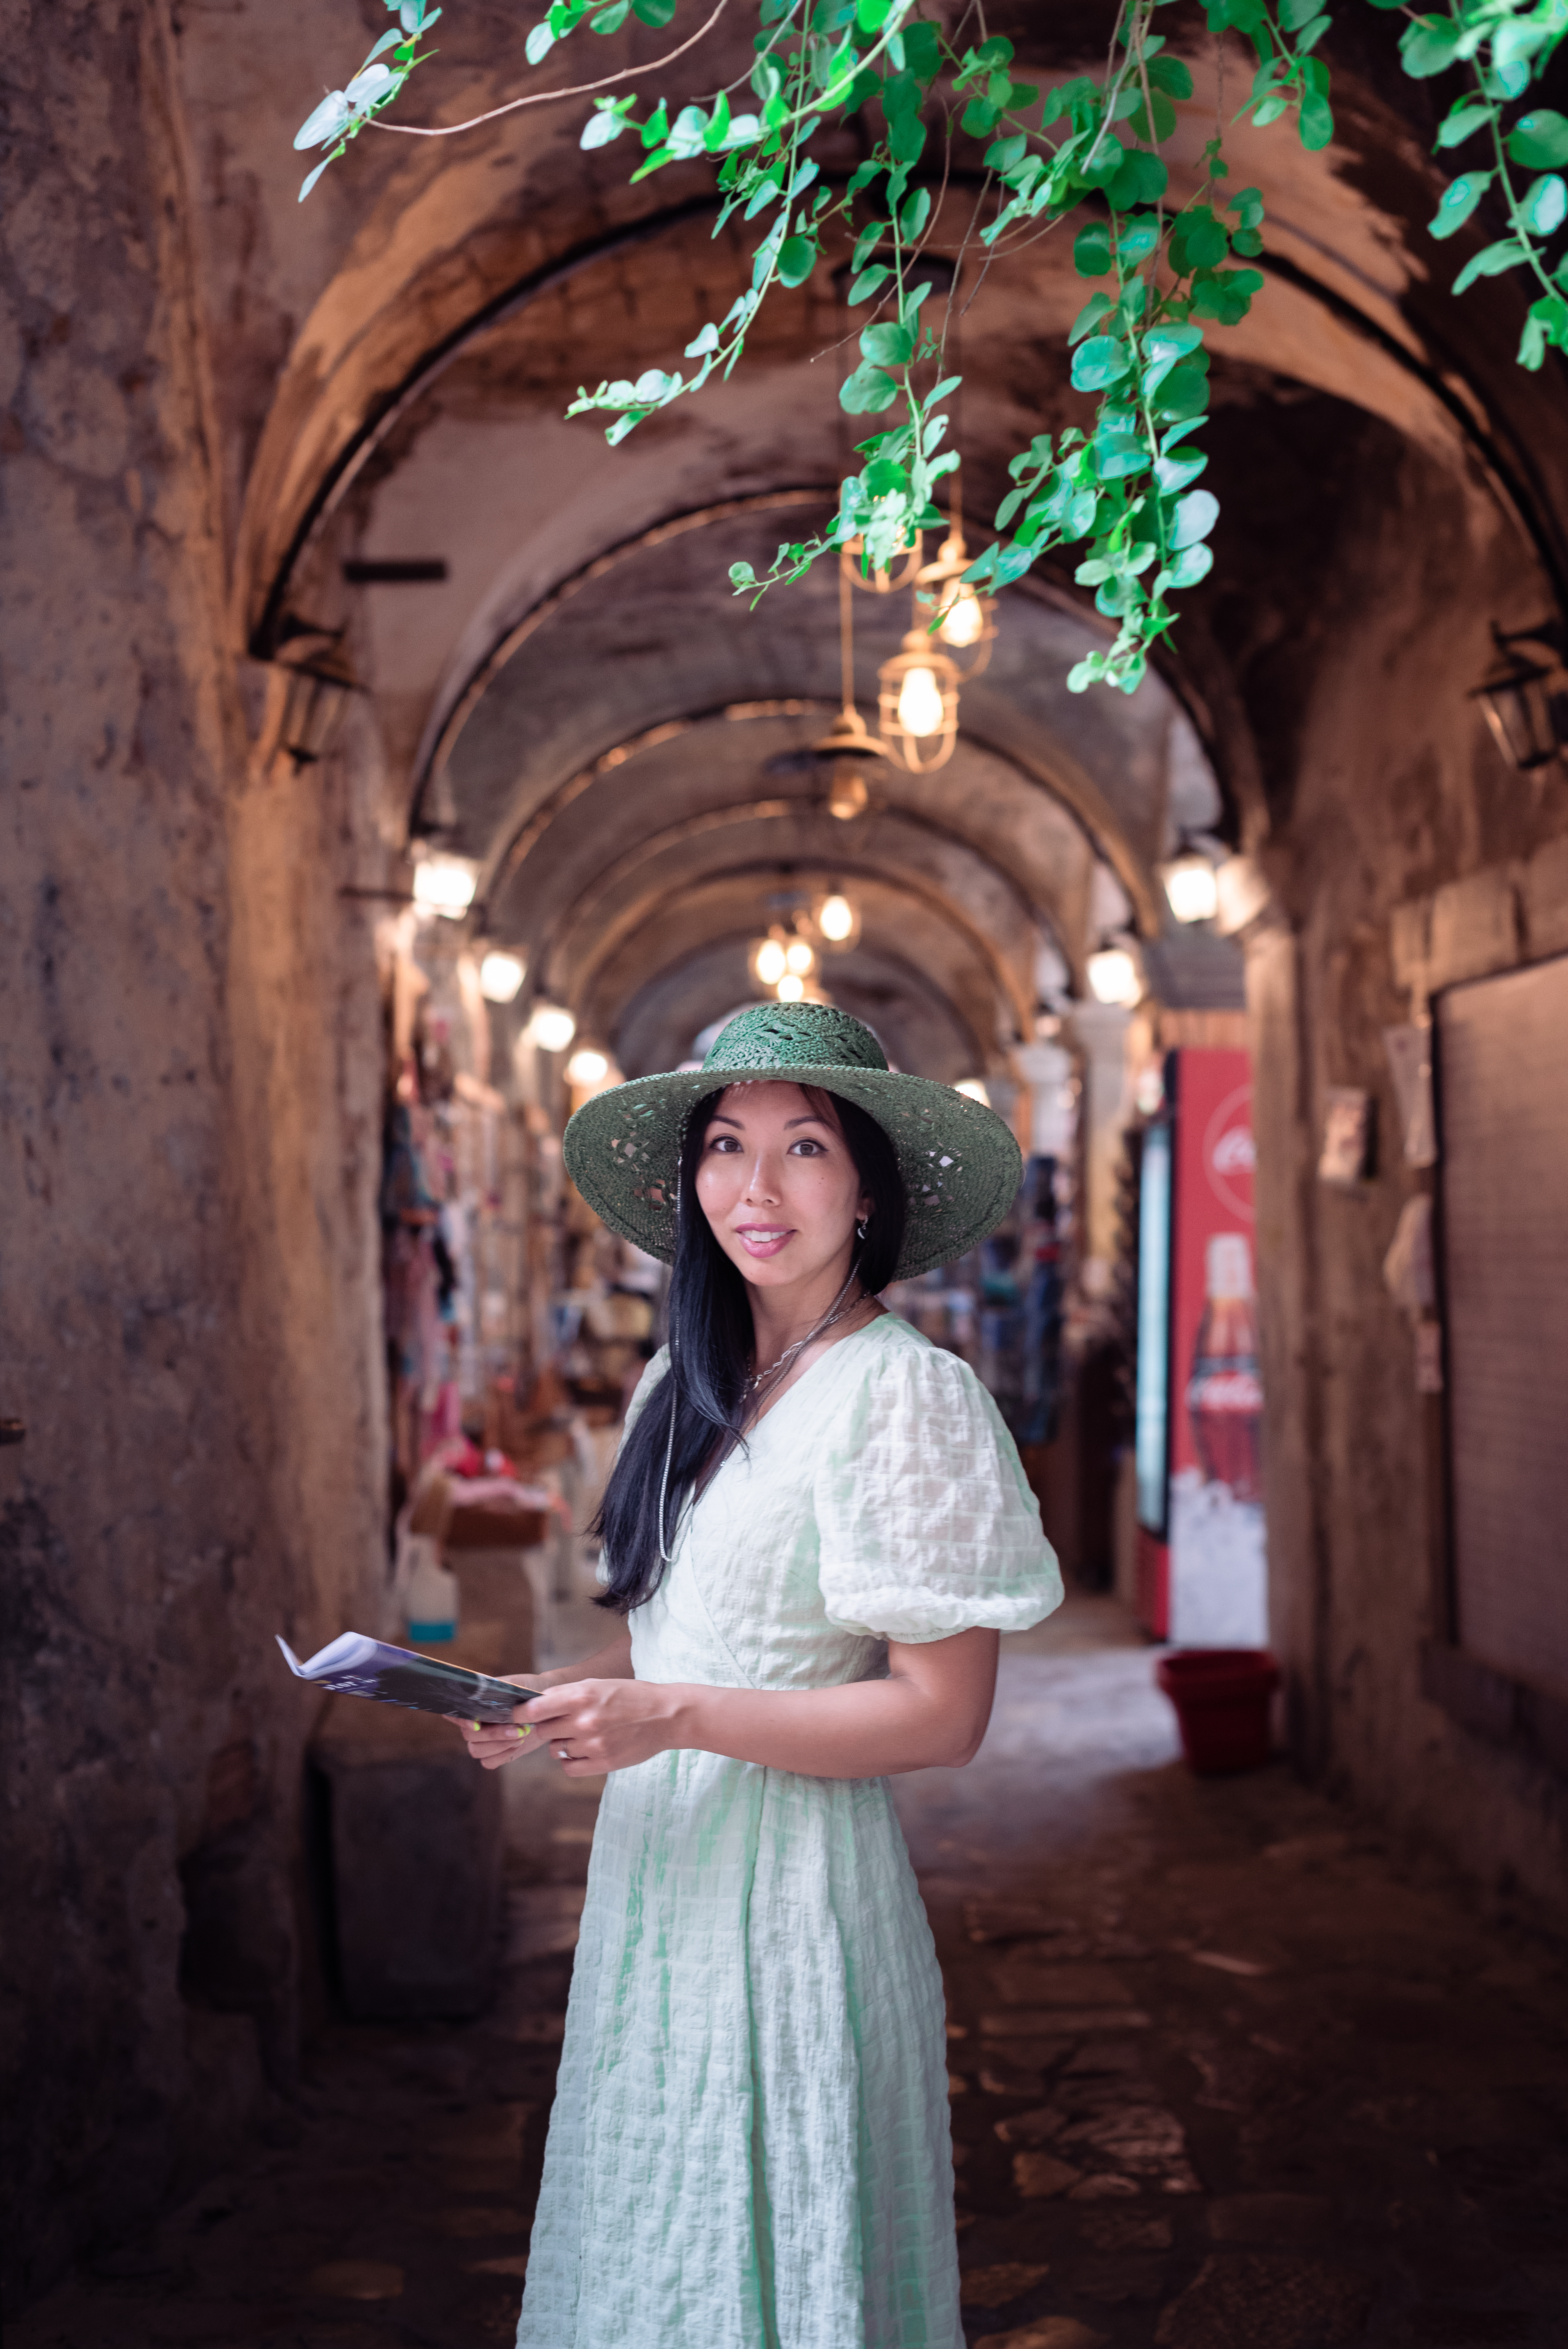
592, 1726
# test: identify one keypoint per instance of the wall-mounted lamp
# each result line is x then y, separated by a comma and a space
501, 975
551, 1027
1525, 701
445, 884
1192, 887
587, 1067
1114, 978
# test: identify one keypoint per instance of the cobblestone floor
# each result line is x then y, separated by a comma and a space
1225, 2075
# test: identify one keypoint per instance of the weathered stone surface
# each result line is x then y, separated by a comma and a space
1248, 2300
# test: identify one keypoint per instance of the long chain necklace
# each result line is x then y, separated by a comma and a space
836, 1313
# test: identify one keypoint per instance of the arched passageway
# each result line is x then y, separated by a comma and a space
315, 586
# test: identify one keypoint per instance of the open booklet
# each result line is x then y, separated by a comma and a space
356, 1665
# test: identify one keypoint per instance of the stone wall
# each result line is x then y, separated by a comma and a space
1385, 789
188, 1091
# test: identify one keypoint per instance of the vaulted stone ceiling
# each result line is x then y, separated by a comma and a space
580, 703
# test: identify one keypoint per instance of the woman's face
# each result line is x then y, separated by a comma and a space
778, 1185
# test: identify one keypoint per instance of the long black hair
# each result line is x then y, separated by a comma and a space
710, 1351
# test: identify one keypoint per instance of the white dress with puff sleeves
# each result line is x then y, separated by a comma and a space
750, 2146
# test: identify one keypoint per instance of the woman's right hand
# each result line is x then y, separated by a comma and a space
494, 1742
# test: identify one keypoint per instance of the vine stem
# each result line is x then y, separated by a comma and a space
549, 96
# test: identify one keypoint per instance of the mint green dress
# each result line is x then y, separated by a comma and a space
750, 2146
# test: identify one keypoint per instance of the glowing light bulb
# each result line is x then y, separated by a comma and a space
791, 990
920, 703
1113, 976
586, 1067
768, 962
501, 975
551, 1027
974, 1088
962, 622
847, 793
798, 958
1192, 888
445, 884
837, 919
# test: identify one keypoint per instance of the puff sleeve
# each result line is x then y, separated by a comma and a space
925, 1521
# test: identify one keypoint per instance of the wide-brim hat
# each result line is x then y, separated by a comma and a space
960, 1165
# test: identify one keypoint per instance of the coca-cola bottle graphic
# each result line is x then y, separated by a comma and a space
1224, 1393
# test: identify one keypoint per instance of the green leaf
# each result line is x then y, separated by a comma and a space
1458, 201
888, 345
1311, 34
980, 117
1539, 139
1294, 13
1003, 153
701, 345
539, 43
1184, 392
611, 19
1547, 323
602, 126
1119, 454
1269, 109
1316, 120
1173, 473
1139, 238
1195, 517
796, 259
1103, 360
867, 392
1098, 306
1194, 562
658, 13
1546, 205
308, 182
1091, 249
866, 283
1490, 262
1428, 46
1140, 178
1462, 121
1197, 241
741, 576
1172, 76
871, 16
1164, 120
914, 215
1247, 203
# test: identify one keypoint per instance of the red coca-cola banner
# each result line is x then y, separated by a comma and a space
1213, 1160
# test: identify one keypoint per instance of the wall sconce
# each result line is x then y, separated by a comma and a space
445, 884
551, 1027
1526, 709
1192, 887
918, 698
1114, 978
587, 1067
501, 975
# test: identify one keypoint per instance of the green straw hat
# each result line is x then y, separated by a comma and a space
960, 1165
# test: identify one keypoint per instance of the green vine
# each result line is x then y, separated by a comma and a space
1086, 150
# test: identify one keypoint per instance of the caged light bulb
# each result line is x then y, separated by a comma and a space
920, 703
962, 621
798, 958
837, 919
768, 962
791, 990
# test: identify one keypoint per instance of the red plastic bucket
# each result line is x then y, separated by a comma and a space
1221, 1699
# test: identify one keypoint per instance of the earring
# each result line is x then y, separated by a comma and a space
861, 1228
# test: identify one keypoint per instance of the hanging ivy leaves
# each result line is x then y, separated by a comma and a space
1085, 151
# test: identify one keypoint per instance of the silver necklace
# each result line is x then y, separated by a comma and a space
836, 1313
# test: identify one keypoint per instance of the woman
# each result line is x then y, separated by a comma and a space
816, 1528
